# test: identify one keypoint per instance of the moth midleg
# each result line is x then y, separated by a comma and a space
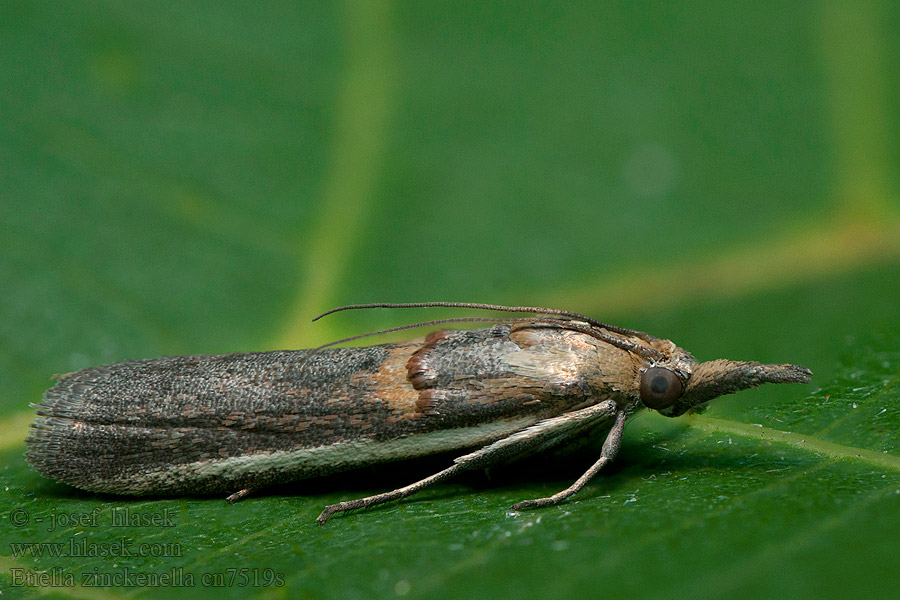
539, 436
388, 496
607, 454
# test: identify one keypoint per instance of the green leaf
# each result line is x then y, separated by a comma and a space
203, 179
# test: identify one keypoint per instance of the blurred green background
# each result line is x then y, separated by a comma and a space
206, 177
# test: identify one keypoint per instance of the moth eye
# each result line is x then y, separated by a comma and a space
660, 388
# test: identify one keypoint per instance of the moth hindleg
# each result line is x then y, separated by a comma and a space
238, 495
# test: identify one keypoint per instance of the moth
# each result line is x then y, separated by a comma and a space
235, 423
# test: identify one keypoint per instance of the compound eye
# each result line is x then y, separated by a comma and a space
660, 388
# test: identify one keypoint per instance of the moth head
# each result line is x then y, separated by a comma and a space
670, 381
672, 390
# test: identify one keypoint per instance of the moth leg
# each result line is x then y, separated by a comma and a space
388, 496
607, 454
539, 436
238, 495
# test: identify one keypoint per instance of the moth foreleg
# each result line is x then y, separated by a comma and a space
541, 435
607, 454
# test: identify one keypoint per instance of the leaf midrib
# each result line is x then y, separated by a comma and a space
810, 443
